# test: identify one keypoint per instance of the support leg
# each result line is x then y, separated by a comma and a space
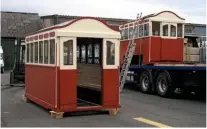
57, 115
24, 98
113, 111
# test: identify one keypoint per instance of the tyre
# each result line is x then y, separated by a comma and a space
145, 82
163, 85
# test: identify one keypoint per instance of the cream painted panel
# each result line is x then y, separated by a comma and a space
89, 34
167, 16
88, 25
74, 65
117, 45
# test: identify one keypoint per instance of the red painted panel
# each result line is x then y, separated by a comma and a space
36, 37
52, 34
110, 88
68, 89
155, 49
123, 48
31, 38
172, 50
41, 36
40, 82
142, 47
46, 35
145, 50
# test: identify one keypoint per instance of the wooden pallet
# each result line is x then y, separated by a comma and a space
59, 115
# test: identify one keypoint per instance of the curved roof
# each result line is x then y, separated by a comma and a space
68, 23
156, 14
165, 16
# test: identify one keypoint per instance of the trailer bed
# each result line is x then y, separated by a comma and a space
170, 66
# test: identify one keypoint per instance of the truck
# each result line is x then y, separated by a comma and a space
164, 60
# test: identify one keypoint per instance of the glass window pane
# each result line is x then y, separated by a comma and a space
130, 32
140, 30
146, 29
31, 52
122, 34
165, 30
172, 31
68, 52
110, 50
41, 52
136, 32
36, 52
90, 57
180, 30
52, 51
46, 52
97, 55
83, 54
126, 36
156, 28
78, 53
28, 53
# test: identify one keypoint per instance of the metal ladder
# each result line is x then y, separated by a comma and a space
129, 53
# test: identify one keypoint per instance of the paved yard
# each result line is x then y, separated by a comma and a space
148, 109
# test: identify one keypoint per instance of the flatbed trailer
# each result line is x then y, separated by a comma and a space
165, 58
165, 79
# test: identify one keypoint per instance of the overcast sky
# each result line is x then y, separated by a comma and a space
192, 10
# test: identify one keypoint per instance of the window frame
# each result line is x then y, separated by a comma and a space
55, 51
148, 29
160, 29
142, 36
38, 63
169, 30
116, 57
61, 55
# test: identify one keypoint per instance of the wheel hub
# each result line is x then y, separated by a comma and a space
145, 82
162, 85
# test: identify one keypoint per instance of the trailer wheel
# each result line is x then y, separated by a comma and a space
163, 85
145, 82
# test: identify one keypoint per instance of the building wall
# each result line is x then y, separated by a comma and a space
8, 46
55, 19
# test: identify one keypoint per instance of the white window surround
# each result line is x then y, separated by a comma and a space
41, 64
123, 39
74, 65
169, 30
117, 44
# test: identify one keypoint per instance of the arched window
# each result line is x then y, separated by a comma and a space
90, 57
110, 51
97, 53
68, 52
165, 30
172, 31
83, 54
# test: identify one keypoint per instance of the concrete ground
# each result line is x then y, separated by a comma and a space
150, 111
